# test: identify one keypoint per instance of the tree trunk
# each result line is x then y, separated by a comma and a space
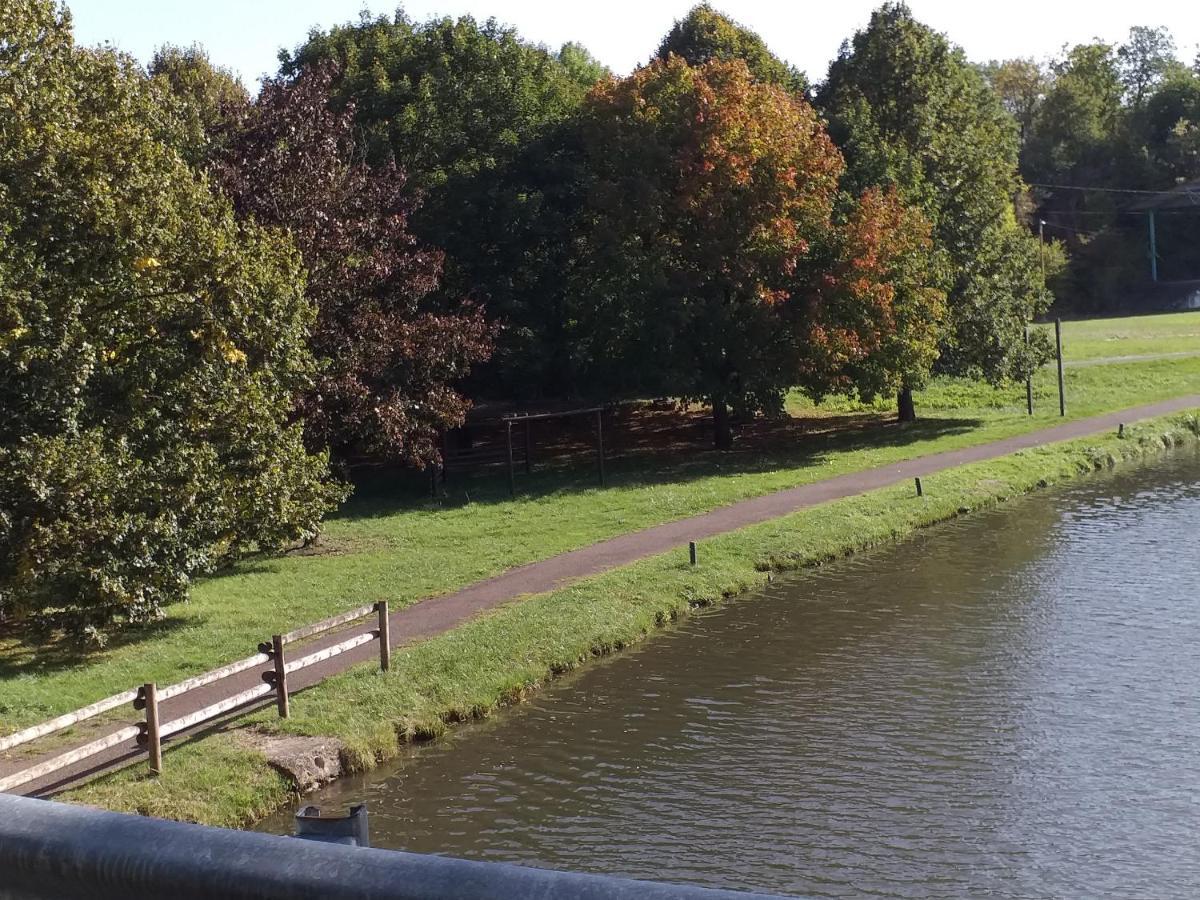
722, 432
904, 401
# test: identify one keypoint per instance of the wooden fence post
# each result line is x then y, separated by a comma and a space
281, 690
385, 637
153, 740
600, 442
512, 483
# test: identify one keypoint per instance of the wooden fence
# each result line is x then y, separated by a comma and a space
151, 730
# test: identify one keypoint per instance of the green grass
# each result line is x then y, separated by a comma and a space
1089, 339
394, 543
499, 658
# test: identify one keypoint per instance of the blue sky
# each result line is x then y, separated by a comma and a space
246, 35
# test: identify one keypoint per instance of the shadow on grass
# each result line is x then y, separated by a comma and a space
651, 454
23, 653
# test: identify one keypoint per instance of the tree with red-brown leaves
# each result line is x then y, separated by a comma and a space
390, 361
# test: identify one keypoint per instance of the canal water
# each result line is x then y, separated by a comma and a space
1007, 705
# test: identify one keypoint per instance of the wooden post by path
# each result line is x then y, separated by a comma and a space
600, 442
1062, 397
281, 690
512, 481
692, 551
385, 636
153, 738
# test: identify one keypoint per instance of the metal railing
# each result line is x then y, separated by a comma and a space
53, 850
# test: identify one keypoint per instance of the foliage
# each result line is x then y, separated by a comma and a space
448, 98
457, 103
149, 348
1115, 119
706, 191
1020, 84
909, 111
204, 94
1144, 59
705, 34
389, 364
881, 307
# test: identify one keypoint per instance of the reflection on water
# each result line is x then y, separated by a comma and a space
1005, 705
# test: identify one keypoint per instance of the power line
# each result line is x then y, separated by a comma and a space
1106, 190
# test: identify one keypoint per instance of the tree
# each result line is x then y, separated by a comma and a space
877, 309
580, 66
706, 190
455, 103
1077, 127
1144, 59
1020, 84
705, 34
204, 94
389, 364
909, 111
150, 346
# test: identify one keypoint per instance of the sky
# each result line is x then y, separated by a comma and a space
246, 35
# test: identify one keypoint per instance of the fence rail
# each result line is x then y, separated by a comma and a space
66, 720
151, 730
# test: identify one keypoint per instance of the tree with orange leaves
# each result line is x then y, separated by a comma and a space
877, 307
707, 192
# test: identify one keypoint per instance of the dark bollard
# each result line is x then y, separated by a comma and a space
920, 490
692, 551
349, 829
1121, 430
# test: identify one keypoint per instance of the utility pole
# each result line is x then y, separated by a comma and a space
1042, 253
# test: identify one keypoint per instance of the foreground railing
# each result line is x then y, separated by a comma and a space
151, 731
52, 850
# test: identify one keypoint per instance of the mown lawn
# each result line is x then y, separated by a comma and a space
1090, 339
392, 541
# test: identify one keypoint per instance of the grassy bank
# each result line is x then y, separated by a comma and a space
499, 658
392, 541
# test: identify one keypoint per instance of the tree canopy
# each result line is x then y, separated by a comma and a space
705, 34
910, 112
711, 197
389, 364
150, 346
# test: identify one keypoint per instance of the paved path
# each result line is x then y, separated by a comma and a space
438, 614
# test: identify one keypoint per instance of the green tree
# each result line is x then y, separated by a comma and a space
1021, 85
910, 112
705, 34
150, 347
205, 96
1144, 60
706, 191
